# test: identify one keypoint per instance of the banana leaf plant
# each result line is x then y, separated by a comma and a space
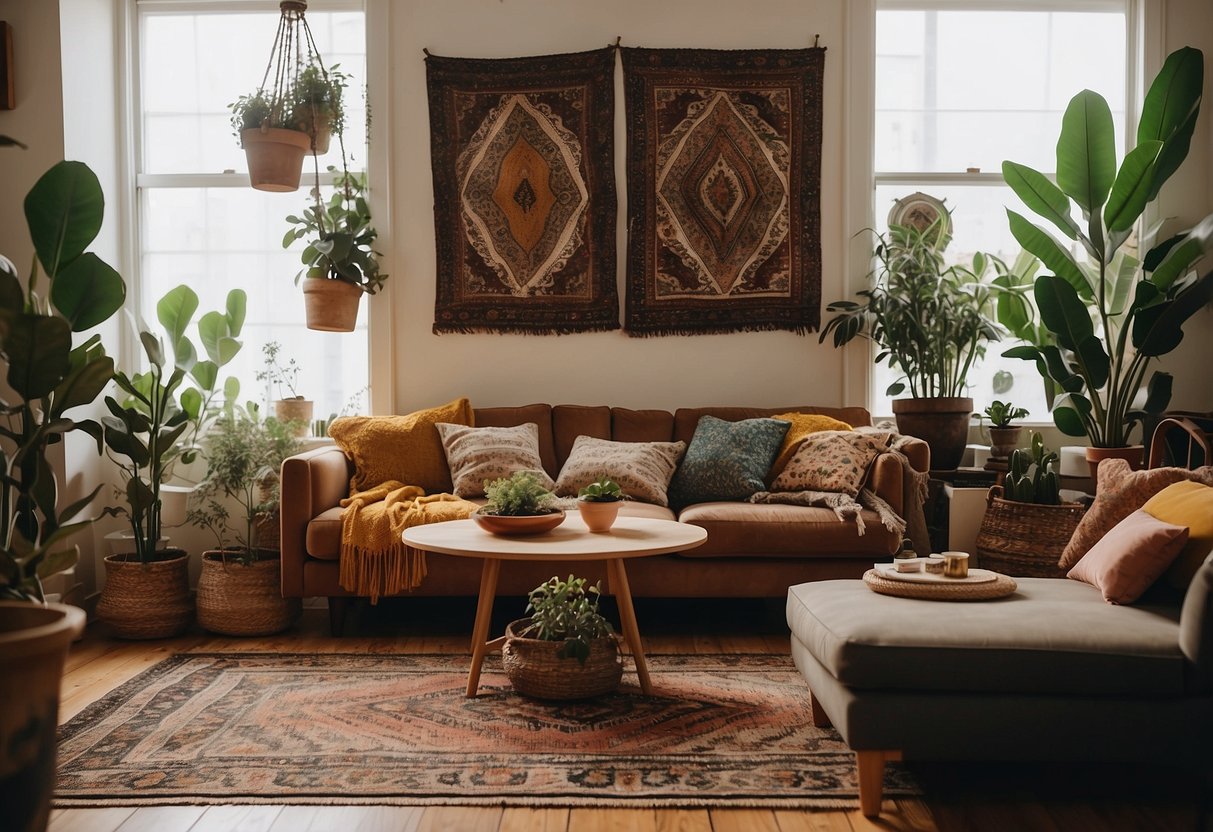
1115, 314
47, 375
155, 425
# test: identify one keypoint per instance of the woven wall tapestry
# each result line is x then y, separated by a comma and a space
724, 178
524, 193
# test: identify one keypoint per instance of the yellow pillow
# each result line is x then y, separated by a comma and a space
1186, 504
405, 448
802, 425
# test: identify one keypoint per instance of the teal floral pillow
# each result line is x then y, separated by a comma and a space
727, 460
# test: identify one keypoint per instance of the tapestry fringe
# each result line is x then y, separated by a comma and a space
664, 331
478, 329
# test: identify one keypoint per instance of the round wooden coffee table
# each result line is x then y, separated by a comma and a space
630, 537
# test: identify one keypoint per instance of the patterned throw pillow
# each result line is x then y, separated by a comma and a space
642, 469
402, 448
831, 460
803, 424
727, 460
479, 454
1119, 492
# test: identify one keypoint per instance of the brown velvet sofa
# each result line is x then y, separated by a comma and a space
752, 551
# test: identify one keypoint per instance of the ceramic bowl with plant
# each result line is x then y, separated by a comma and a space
566, 649
518, 504
599, 503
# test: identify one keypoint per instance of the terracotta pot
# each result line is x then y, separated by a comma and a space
317, 123
942, 422
239, 600
147, 600
598, 516
332, 305
298, 411
1134, 454
535, 670
275, 157
1004, 440
34, 640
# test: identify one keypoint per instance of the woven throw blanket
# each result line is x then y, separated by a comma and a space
524, 193
374, 559
724, 173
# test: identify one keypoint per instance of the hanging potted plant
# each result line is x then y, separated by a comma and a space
318, 106
340, 262
293, 410
273, 143
1111, 317
239, 590
931, 322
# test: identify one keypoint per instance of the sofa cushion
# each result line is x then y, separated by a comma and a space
1186, 504
506, 417
727, 460
402, 448
1130, 557
802, 425
785, 531
831, 460
572, 420
479, 455
1119, 492
642, 469
323, 539
641, 425
1050, 637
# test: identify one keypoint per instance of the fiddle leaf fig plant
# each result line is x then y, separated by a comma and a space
1109, 318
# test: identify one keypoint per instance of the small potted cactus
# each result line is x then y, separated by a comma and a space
599, 503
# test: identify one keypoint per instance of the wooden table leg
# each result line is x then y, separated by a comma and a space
627, 617
484, 614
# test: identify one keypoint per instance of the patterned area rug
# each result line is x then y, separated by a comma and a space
724, 172
202, 728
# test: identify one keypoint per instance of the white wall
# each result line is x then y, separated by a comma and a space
773, 368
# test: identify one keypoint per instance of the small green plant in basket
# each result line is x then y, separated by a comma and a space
519, 495
567, 610
1033, 476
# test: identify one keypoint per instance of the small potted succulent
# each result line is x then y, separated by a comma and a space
564, 625
292, 408
599, 503
1004, 437
518, 504
273, 144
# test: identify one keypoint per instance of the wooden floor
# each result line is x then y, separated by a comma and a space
958, 797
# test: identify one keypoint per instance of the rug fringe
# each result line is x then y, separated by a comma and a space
822, 803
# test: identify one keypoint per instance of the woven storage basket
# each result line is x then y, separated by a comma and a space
147, 600
1025, 539
239, 600
535, 669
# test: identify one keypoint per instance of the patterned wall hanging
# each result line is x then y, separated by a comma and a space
724, 177
524, 193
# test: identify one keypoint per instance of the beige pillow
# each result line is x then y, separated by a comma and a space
479, 454
642, 469
831, 460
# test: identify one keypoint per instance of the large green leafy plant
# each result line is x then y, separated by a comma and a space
47, 375
930, 320
1109, 318
155, 424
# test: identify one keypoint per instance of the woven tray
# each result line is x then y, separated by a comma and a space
1000, 587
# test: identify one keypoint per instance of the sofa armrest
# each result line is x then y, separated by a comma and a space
887, 479
1196, 624
312, 482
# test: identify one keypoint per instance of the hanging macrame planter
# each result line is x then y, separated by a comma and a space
290, 114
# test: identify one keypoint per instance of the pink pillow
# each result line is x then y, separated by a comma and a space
1130, 557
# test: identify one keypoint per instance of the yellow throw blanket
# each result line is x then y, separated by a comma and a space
374, 559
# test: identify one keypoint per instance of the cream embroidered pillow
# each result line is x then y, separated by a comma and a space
479, 454
642, 469
831, 460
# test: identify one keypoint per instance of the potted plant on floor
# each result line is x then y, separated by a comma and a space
1026, 525
1112, 319
238, 591
339, 258
1004, 437
273, 143
318, 108
47, 377
293, 408
518, 504
931, 322
565, 649
599, 503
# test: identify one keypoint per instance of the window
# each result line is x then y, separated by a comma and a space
199, 221
959, 90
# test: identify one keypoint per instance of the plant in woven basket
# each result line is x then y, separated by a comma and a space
567, 610
1033, 476
519, 495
